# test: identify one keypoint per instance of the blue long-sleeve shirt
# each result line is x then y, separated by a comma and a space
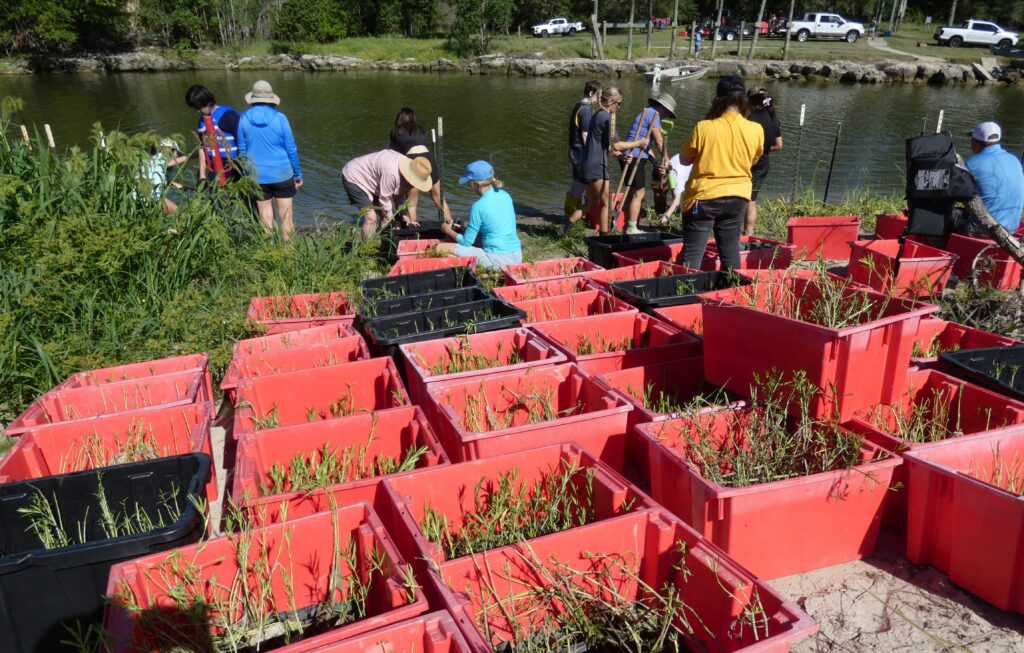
494, 215
1000, 184
265, 138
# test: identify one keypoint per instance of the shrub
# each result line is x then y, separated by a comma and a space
319, 21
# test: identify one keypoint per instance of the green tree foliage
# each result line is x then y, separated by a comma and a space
41, 25
476, 21
319, 21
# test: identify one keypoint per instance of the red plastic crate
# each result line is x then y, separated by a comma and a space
413, 265
964, 525
292, 339
633, 271
685, 317
665, 252
920, 271
123, 438
422, 359
615, 222
357, 441
432, 633
935, 335
302, 550
598, 419
644, 549
518, 273
360, 386
543, 289
279, 314
890, 226
854, 367
644, 339
996, 267
757, 254
563, 307
827, 237
332, 352
415, 248
816, 521
196, 363
86, 403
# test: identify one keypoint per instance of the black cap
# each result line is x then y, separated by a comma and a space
731, 85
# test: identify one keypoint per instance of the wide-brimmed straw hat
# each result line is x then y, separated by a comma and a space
417, 172
665, 100
262, 93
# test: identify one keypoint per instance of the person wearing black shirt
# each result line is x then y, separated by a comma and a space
410, 139
763, 113
579, 121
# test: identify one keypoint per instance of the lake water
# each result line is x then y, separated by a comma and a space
517, 123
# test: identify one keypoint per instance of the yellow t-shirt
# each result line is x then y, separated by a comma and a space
723, 150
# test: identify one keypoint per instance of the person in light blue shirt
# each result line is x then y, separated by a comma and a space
998, 174
492, 218
265, 140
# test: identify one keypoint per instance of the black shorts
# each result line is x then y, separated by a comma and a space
357, 196
757, 178
435, 171
281, 190
640, 178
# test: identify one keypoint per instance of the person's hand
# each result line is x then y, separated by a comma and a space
298, 184
644, 142
411, 223
627, 159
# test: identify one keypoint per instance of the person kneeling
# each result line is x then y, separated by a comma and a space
493, 217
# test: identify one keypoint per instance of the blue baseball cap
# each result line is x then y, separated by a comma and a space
477, 171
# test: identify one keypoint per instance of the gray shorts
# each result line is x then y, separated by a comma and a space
489, 259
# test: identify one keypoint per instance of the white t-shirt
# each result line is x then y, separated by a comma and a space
678, 175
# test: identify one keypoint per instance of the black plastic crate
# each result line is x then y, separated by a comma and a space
674, 290
1000, 369
428, 230
43, 591
601, 248
418, 283
385, 334
426, 302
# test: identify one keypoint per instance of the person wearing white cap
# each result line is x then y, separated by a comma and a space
492, 218
998, 174
265, 139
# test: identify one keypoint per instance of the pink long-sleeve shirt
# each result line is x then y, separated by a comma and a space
377, 174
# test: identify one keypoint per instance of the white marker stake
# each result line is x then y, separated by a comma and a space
440, 127
49, 137
803, 109
24, 135
433, 137
938, 126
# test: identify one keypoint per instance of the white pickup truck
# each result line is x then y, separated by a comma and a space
826, 26
976, 32
557, 26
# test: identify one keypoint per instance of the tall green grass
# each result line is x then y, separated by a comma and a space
92, 275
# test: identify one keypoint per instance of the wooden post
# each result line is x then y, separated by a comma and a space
604, 36
715, 29
650, 25
24, 135
739, 44
675, 30
757, 30
952, 13
693, 38
629, 39
892, 16
49, 136
597, 37
789, 22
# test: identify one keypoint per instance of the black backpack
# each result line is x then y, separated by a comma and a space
935, 183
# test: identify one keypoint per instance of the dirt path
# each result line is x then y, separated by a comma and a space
881, 44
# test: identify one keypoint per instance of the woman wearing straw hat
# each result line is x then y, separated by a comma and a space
492, 217
265, 139
377, 183
646, 124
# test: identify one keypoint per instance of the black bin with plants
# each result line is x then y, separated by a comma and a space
601, 248
418, 283
674, 290
385, 334
61, 534
1000, 369
389, 238
424, 302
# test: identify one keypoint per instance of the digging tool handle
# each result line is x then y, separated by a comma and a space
631, 167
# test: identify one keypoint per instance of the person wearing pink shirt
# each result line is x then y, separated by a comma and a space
379, 182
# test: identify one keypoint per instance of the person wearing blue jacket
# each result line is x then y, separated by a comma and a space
265, 140
492, 218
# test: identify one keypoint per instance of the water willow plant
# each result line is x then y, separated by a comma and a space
1007, 475
527, 406
91, 451
460, 357
775, 439
925, 419
585, 345
510, 510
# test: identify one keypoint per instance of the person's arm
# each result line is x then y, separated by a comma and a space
468, 238
777, 145
659, 144
291, 149
759, 152
676, 197
411, 201
202, 161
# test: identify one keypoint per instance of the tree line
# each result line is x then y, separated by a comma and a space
39, 26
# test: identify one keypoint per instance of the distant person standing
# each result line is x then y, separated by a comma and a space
722, 149
265, 138
218, 135
410, 139
762, 111
999, 177
698, 39
579, 122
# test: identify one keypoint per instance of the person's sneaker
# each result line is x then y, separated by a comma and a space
631, 230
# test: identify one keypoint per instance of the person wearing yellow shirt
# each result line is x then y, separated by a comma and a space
722, 149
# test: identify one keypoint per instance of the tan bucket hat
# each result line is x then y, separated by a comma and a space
417, 172
262, 92
665, 100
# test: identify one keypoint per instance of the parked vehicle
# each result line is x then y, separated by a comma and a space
826, 26
557, 26
976, 32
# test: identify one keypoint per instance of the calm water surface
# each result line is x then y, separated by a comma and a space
517, 123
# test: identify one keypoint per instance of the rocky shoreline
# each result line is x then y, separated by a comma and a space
890, 71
